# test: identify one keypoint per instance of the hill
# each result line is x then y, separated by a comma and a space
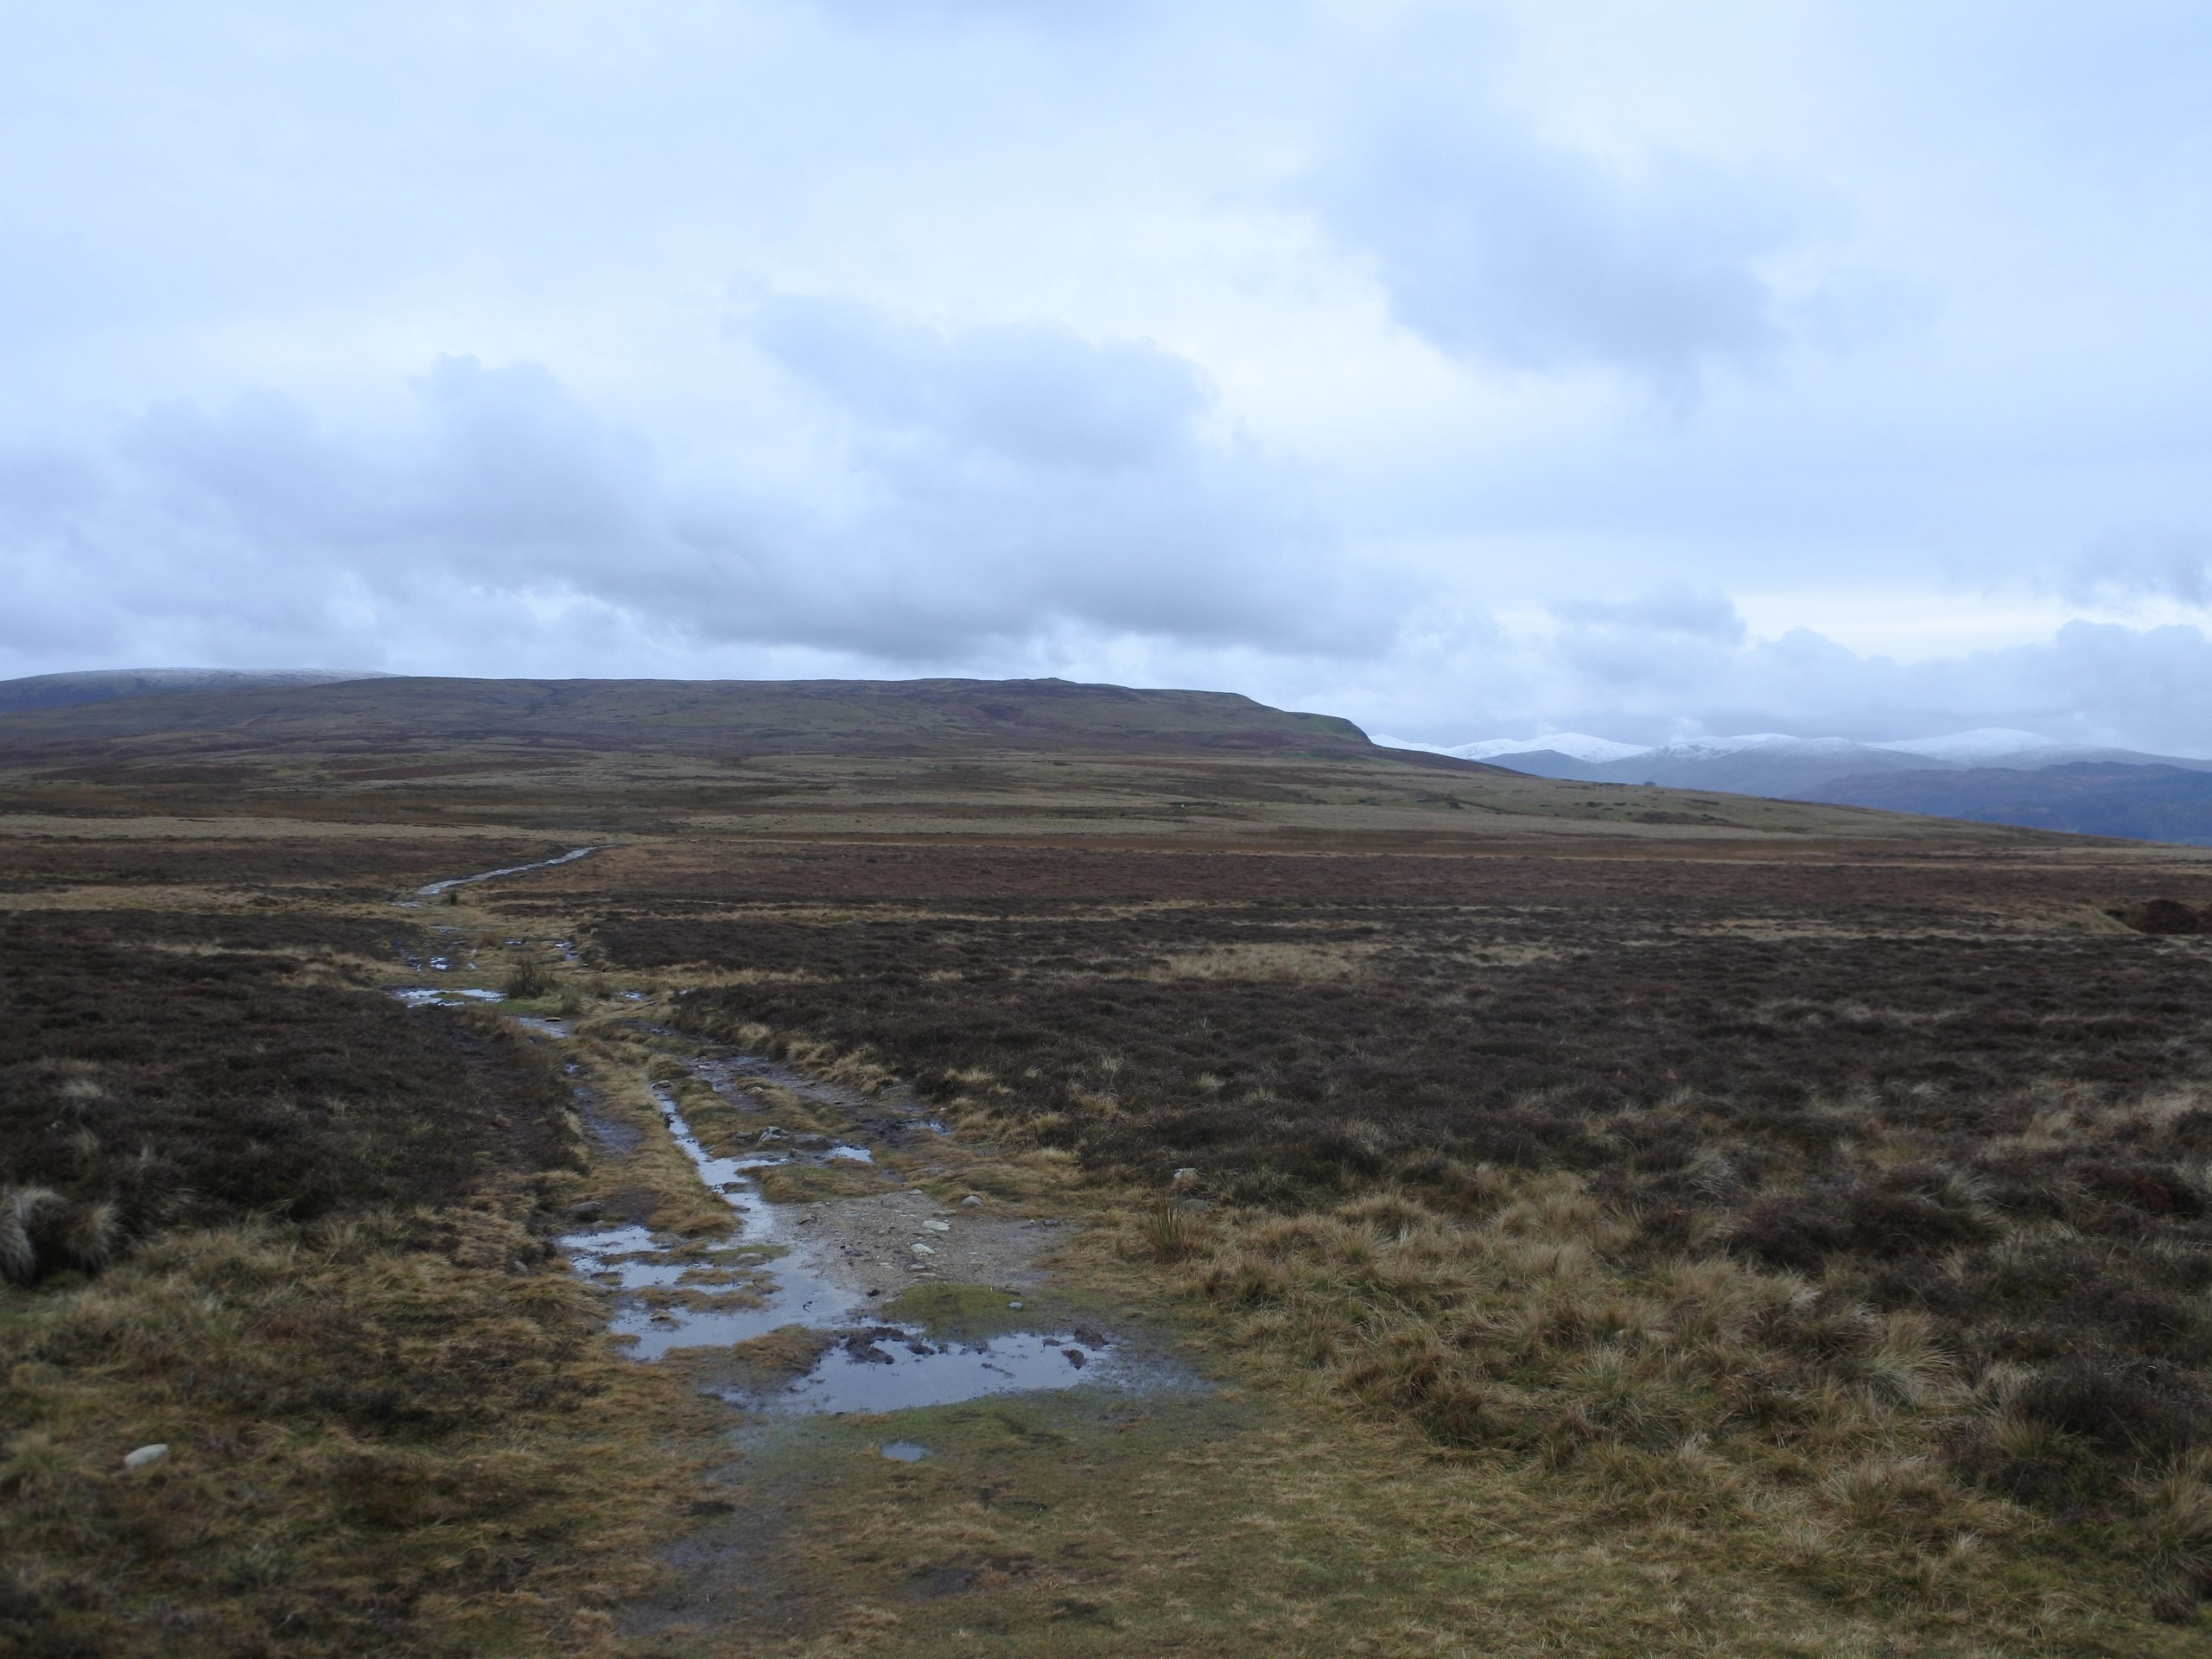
2140, 803
1986, 775
1044, 757
104, 685
691, 717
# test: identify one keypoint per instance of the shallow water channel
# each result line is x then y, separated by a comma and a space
764, 1276
435, 889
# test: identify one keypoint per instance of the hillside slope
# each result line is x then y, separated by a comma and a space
104, 685
691, 717
805, 758
2140, 803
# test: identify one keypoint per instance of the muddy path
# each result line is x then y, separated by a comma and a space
439, 889
829, 1262
832, 1266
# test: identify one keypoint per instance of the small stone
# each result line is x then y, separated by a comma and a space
973, 1198
1014, 1307
938, 1226
922, 1249
774, 1135
145, 1456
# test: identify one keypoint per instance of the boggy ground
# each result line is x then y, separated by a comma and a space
1851, 1207
1647, 1243
253, 1209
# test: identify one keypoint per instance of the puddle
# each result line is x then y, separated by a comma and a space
792, 1291
424, 996
541, 1026
770, 1272
905, 1451
893, 1368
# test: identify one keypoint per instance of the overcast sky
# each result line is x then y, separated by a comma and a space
1467, 369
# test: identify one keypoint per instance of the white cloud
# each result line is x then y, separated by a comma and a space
973, 485
1309, 349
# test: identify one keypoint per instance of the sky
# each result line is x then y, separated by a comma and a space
1468, 370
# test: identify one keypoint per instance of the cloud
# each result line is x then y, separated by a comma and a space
1650, 680
1125, 338
1498, 248
2141, 564
1035, 394
995, 483
1671, 640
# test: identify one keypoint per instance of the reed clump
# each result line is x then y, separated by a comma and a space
528, 979
1530, 1328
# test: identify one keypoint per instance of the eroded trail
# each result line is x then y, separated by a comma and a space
439, 889
853, 1293
822, 1267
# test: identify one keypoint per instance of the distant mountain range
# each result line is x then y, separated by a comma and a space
1990, 775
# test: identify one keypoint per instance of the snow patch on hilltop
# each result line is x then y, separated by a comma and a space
1576, 745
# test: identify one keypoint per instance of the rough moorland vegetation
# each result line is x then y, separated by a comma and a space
1877, 1191
199, 1071
1638, 1221
252, 1207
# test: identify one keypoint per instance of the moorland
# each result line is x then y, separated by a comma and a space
1569, 1217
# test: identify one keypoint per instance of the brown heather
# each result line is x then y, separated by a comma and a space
1620, 1221
1727, 1183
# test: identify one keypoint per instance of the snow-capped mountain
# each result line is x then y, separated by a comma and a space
1576, 745
1996, 774
1984, 746
1777, 763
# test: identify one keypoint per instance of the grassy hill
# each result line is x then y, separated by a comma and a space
700, 716
827, 757
104, 685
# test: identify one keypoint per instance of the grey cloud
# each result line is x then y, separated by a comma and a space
1698, 613
2091, 682
1496, 248
1672, 639
1032, 392
996, 484
2143, 564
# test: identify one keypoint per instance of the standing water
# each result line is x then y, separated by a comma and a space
758, 1278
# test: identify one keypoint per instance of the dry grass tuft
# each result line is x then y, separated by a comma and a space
1170, 1231
376, 1447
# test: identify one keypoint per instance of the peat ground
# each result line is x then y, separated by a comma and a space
1613, 1222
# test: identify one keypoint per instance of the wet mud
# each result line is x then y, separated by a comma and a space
840, 1327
